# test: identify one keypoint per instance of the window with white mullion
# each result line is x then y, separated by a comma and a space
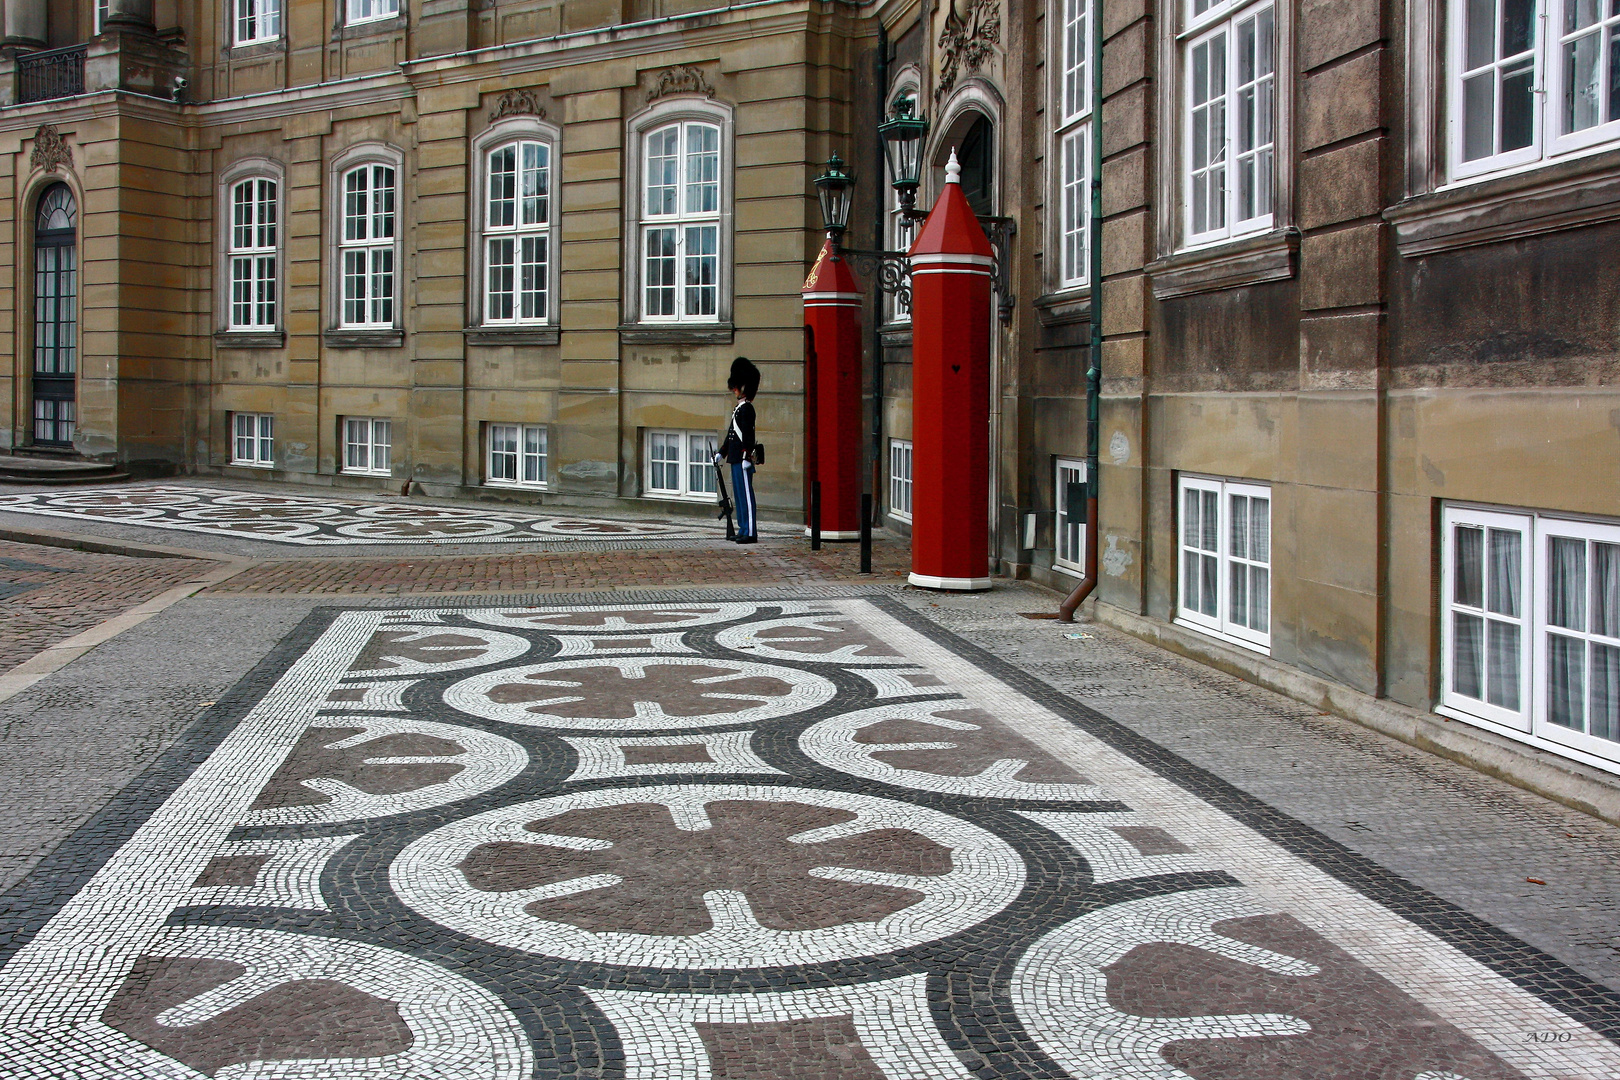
257, 20
253, 439
253, 254
1586, 70
1578, 635
367, 246
1230, 89
517, 234
367, 446
680, 464
1495, 65
680, 247
1070, 495
1485, 632
360, 11
900, 479
1071, 140
517, 455
1225, 531
102, 9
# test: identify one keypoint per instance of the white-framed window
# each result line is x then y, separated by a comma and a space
680, 464
367, 445
253, 439
102, 8
1530, 628
900, 479
252, 254
1069, 550
257, 21
1071, 137
1530, 80
517, 455
517, 233
680, 232
1229, 92
363, 11
366, 246
1225, 570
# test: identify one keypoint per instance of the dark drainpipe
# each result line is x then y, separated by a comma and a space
1094, 371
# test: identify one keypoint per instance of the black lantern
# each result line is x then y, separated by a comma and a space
902, 145
834, 188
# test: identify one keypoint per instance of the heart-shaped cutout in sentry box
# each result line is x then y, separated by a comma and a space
956, 367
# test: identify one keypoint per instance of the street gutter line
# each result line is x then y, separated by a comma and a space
58, 656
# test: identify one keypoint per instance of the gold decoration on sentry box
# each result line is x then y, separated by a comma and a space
51, 150
684, 79
517, 103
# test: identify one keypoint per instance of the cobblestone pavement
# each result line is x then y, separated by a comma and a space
773, 561
48, 594
327, 520
725, 835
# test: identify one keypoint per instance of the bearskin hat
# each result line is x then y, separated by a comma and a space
744, 376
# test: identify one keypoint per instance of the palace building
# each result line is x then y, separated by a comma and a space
1359, 297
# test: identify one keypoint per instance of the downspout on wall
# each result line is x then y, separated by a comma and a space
1094, 371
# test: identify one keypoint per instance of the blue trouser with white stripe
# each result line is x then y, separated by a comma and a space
742, 487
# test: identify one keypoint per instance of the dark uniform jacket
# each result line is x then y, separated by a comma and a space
734, 449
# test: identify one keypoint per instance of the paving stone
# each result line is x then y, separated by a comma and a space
472, 840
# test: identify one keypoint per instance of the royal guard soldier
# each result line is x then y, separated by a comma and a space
739, 450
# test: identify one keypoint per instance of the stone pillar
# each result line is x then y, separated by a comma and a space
832, 313
951, 266
24, 24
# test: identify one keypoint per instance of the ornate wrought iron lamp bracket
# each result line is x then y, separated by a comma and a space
1001, 230
890, 269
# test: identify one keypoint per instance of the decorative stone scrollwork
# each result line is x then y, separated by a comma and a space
680, 80
967, 42
517, 103
51, 151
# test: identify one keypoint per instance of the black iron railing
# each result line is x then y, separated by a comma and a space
50, 74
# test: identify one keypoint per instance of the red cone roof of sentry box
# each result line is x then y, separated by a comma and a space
830, 275
952, 227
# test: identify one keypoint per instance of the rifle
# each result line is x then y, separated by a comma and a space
725, 500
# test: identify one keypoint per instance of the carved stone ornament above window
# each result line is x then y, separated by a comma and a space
517, 103
680, 80
51, 151
967, 42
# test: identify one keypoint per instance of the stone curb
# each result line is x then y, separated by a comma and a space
1571, 783
63, 653
103, 546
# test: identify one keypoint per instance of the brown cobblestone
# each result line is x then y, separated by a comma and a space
776, 562
48, 594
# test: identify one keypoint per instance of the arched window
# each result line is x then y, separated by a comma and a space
56, 316
678, 209
366, 247
253, 252
517, 233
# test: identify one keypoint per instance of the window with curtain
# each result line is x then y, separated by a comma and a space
253, 439
253, 254
680, 223
900, 479
680, 464
1531, 627
1070, 497
368, 446
366, 246
1225, 534
1229, 76
517, 455
1530, 80
517, 233
257, 21
1071, 113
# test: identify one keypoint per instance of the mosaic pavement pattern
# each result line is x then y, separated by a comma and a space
808, 840
320, 521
